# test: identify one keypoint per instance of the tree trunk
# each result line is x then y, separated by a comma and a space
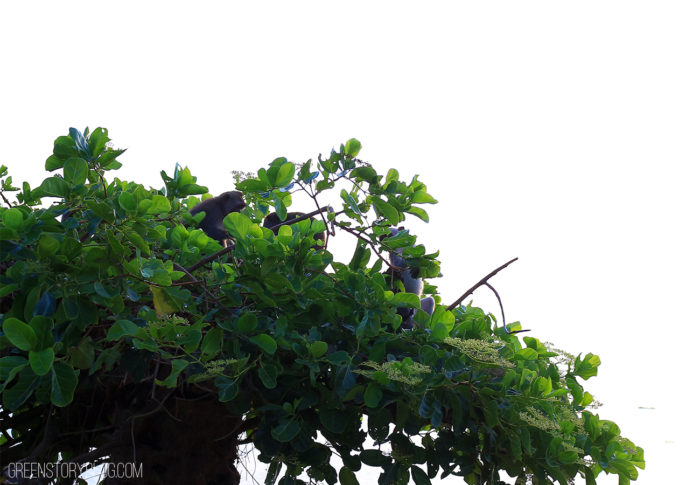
191, 443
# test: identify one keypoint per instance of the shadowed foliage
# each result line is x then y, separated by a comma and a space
129, 335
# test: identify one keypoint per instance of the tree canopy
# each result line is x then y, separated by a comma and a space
129, 334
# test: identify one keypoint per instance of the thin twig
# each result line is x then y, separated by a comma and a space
5, 199
371, 245
498, 297
481, 282
210, 258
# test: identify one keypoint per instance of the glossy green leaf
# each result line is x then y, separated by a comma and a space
127, 201
352, 147
347, 477
176, 367
374, 458
419, 476
122, 328
247, 322
265, 342
527, 354
64, 380
228, 388
286, 431
41, 361
16, 395
75, 171
13, 218
373, 395
285, 175
384, 209
47, 247
318, 348
268, 375
211, 344
19, 334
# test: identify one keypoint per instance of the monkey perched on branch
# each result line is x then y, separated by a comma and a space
412, 283
273, 222
216, 209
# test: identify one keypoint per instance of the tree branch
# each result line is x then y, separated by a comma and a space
481, 282
300, 218
210, 258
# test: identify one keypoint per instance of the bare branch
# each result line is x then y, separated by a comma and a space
5, 199
481, 282
300, 218
211, 258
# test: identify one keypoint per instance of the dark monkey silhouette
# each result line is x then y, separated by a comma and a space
216, 209
412, 283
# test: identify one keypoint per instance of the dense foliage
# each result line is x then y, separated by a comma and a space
104, 289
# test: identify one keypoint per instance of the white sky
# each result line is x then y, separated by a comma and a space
565, 133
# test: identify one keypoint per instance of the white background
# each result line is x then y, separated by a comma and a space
565, 133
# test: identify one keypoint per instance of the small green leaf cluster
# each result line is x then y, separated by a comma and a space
113, 283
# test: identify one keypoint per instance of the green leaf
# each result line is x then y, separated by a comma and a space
265, 342
419, 213
568, 457
19, 334
386, 210
127, 201
419, 476
7, 289
588, 367
285, 175
47, 247
190, 340
228, 388
159, 204
98, 141
268, 375
177, 366
82, 356
211, 344
9, 367
54, 186
403, 299
352, 147
75, 171
422, 197
136, 239
13, 218
240, 226
374, 458
334, 420
347, 477
15, 396
286, 431
63, 383
41, 361
122, 328
373, 395
64, 147
527, 354
247, 322
318, 348
53, 163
